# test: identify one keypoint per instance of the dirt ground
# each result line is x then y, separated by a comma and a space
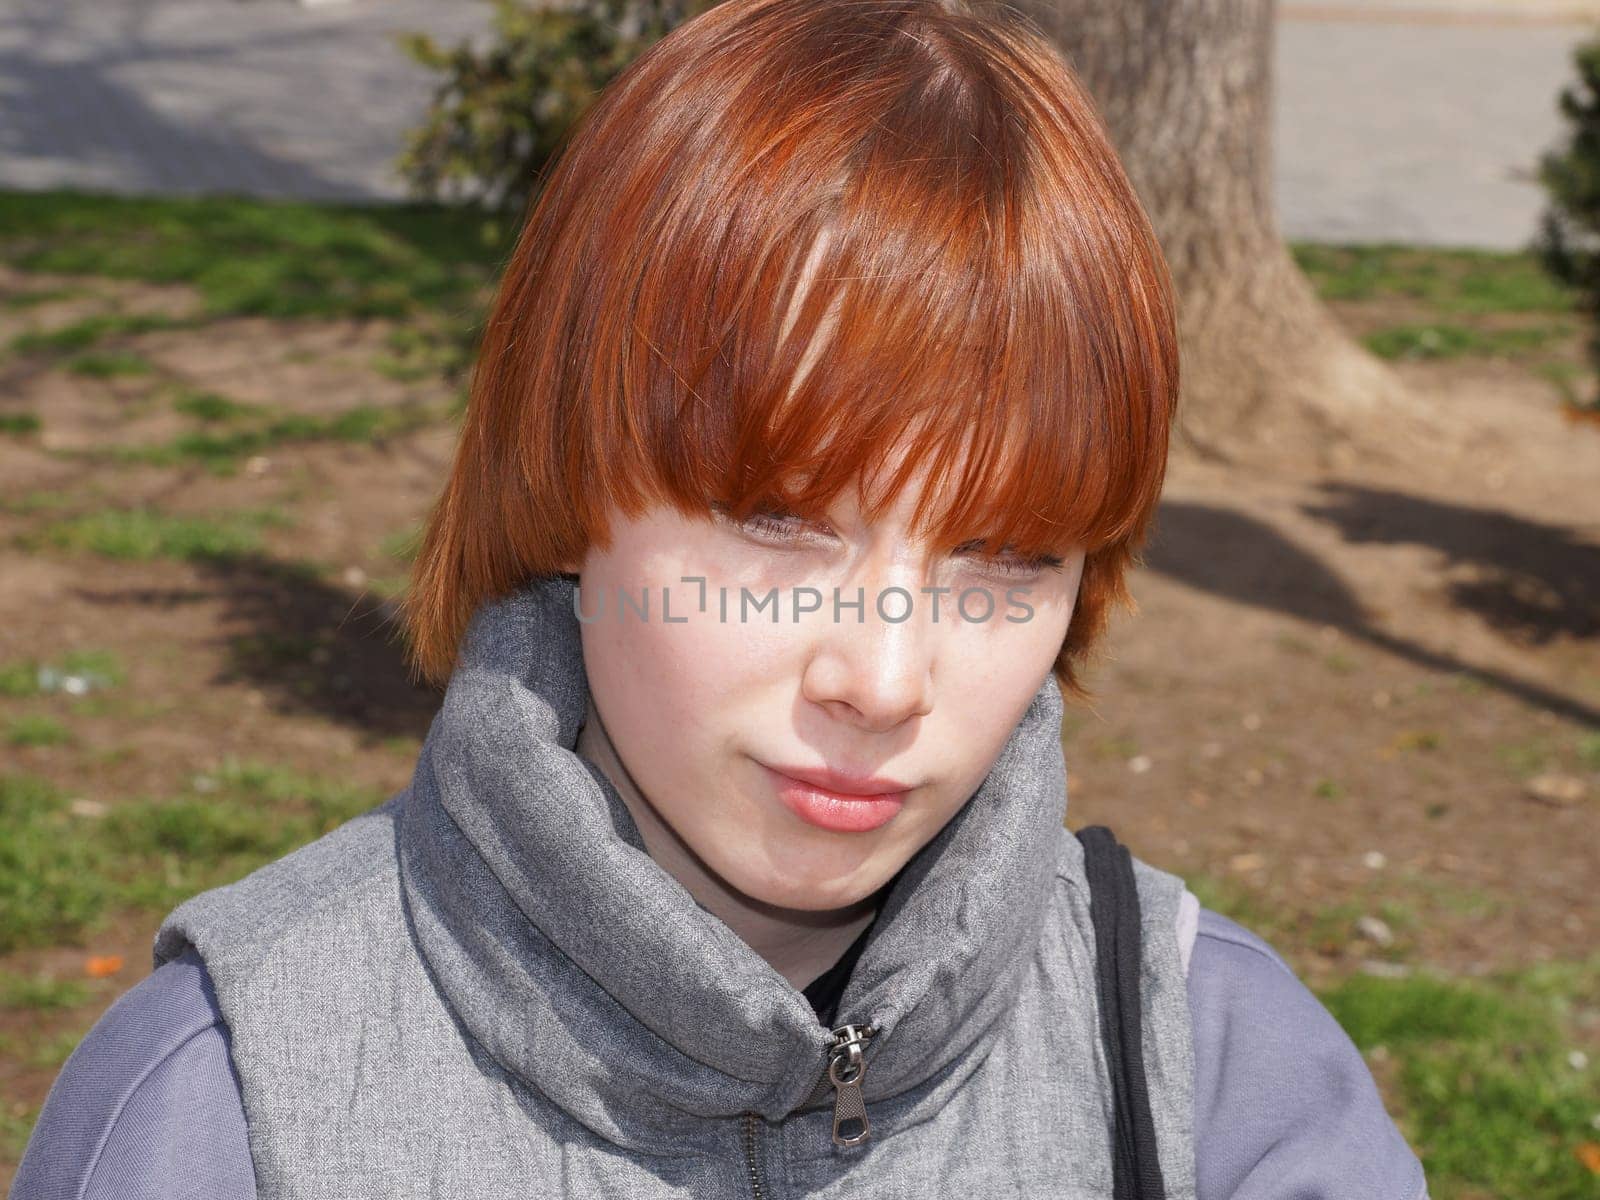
1370, 694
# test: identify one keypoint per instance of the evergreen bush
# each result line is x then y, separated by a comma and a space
501, 109
1568, 241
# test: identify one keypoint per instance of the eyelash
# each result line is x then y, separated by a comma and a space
774, 525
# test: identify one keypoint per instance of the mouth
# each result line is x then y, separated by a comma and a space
822, 799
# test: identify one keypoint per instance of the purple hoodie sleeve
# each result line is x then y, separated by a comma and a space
148, 1105
1284, 1102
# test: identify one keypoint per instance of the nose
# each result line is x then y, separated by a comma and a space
873, 667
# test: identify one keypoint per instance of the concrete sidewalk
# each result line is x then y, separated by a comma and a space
1464, 12
263, 97
1418, 130
1411, 120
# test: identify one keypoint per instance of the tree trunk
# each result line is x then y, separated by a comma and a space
1185, 87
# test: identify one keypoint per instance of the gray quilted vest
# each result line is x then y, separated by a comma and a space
486, 988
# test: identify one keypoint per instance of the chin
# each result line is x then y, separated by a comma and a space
803, 890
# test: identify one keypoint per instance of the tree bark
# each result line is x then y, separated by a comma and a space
1185, 87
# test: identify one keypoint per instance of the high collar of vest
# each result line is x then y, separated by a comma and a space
589, 973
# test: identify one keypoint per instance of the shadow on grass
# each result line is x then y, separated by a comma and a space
311, 647
1534, 575
1538, 579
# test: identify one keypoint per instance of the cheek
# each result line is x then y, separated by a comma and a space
988, 675
1009, 652
670, 692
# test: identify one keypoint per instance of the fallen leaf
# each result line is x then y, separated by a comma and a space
1589, 1155
101, 965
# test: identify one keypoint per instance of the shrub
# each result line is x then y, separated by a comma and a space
500, 112
1568, 242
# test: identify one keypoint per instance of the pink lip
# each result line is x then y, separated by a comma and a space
851, 787
844, 804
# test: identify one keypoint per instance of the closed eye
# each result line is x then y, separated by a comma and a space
783, 526
1007, 563
771, 523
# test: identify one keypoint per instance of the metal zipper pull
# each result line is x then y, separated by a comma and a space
846, 1069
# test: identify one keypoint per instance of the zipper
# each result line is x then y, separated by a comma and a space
844, 1072
751, 1128
846, 1069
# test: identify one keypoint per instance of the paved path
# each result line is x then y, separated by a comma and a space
1417, 124
1415, 120
264, 97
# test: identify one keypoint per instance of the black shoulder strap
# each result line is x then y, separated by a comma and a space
1114, 910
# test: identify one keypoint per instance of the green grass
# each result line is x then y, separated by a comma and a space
41, 993
235, 818
82, 334
36, 501
1328, 930
19, 423
1440, 340
1587, 747
20, 678
21, 300
260, 257
1457, 289
224, 452
36, 729
110, 364
1453, 281
49, 1053
52, 881
60, 873
1234, 900
146, 534
387, 585
212, 407
421, 353
16, 1123
76, 671
402, 546
1496, 1105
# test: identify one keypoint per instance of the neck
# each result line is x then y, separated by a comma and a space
799, 944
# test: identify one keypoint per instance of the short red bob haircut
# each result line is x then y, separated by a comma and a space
791, 237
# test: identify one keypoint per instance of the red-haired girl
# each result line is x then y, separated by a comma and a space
821, 413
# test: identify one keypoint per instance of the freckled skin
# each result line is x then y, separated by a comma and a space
682, 715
